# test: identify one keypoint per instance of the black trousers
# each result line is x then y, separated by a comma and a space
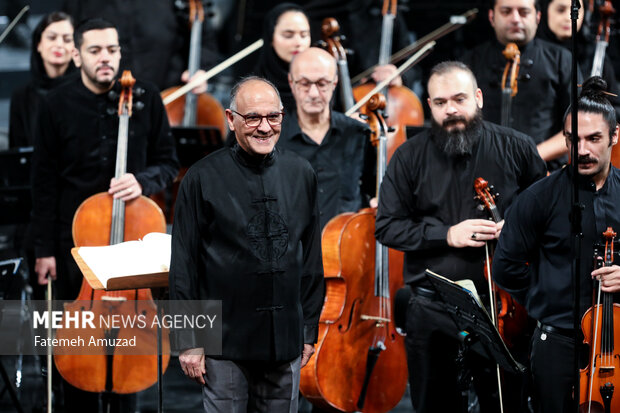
551, 361
432, 349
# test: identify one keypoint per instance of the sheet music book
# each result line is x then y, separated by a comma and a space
131, 264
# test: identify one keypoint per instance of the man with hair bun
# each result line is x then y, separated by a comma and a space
533, 258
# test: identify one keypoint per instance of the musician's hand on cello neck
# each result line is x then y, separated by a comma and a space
126, 187
609, 278
383, 72
201, 88
192, 362
44, 266
473, 233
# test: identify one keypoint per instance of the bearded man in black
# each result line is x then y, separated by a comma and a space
427, 209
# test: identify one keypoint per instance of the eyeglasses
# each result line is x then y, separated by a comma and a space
253, 120
321, 84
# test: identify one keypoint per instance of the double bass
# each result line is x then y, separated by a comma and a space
360, 362
102, 220
601, 330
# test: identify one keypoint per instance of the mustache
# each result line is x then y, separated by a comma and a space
105, 66
453, 120
586, 159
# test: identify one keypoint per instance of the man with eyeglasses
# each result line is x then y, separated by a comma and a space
336, 146
246, 232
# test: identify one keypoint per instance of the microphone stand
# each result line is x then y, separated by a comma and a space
576, 231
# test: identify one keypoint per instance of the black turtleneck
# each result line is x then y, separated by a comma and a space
246, 232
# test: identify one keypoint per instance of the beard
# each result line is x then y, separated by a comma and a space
457, 142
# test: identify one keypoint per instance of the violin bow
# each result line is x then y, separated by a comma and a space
14, 22
422, 53
213, 71
454, 23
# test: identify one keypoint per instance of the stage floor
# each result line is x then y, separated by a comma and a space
181, 395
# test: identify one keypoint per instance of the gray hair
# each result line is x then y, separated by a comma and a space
243, 81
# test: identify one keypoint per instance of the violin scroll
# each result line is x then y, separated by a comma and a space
511, 71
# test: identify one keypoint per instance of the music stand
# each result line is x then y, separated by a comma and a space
15, 201
9, 268
193, 143
476, 330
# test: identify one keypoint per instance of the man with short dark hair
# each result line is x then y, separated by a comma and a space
543, 82
427, 209
246, 232
534, 254
75, 156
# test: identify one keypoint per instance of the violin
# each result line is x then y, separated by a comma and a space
509, 316
103, 220
509, 81
598, 380
360, 362
331, 41
403, 108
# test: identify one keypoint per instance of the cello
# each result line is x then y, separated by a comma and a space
402, 105
191, 110
359, 350
102, 220
598, 380
331, 40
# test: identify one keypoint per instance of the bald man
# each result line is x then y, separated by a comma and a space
250, 238
336, 146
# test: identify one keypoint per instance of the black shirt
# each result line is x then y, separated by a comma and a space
344, 163
425, 192
533, 258
250, 237
544, 87
75, 154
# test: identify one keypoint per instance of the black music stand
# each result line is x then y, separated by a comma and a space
193, 143
15, 201
8, 269
477, 331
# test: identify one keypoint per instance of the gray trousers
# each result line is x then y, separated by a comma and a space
251, 386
